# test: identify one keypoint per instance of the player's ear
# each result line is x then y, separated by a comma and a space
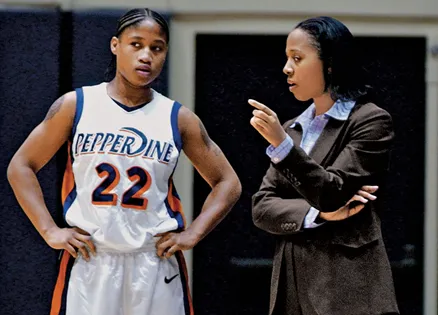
114, 45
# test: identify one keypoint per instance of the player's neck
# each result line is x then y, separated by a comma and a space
127, 94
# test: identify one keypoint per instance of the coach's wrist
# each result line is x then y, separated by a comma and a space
319, 219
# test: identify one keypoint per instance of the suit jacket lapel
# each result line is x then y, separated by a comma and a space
295, 132
326, 140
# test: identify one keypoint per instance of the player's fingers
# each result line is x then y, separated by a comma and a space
172, 250
71, 250
366, 195
80, 231
163, 247
85, 238
370, 189
163, 239
162, 234
91, 246
261, 107
81, 247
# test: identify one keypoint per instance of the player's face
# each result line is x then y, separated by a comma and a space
303, 68
140, 51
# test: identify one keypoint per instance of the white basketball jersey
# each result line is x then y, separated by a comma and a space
118, 182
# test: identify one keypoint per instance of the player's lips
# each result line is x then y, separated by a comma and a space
145, 68
144, 71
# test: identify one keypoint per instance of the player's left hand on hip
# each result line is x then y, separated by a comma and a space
266, 122
171, 242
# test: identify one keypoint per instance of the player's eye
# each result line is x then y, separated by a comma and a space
157, 48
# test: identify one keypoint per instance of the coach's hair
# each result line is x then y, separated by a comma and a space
130, 19
344, 76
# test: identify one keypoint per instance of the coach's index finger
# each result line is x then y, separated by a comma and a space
260, 106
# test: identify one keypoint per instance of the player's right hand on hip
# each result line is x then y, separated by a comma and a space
71, 240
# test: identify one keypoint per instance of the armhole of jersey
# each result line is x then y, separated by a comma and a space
79, 108
174, 122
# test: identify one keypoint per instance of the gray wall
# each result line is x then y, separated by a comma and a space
385, 8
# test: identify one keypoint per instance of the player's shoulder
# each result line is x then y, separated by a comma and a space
187, 120
163, 100
186, 115
67, 102
74, 99
69, 98
182, 112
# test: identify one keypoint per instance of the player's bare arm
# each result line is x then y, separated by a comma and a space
213, 166
40, 146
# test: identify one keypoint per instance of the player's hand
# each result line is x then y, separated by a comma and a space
71, 240
266, 122
353, 206
171, 242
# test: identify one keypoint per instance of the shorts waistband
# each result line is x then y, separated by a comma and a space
112, 250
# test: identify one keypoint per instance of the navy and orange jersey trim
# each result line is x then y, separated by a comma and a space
174, 205
59, 297
174, 123
79, 109
68, 193
129, 108
188, 304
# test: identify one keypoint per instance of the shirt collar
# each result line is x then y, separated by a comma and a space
339, 111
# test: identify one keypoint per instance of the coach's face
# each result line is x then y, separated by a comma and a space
304, 68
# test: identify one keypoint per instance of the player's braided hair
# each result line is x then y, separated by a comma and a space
132, 18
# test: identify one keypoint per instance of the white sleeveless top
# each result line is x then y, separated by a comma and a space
118, 182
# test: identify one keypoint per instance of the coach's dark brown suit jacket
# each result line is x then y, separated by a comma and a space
340, 268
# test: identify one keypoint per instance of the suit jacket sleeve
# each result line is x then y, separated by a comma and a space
274, 210
363, 161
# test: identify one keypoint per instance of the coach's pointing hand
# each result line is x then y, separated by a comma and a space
266, 122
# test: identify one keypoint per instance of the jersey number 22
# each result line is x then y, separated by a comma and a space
131, 198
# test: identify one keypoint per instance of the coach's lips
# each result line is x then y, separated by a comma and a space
292, 84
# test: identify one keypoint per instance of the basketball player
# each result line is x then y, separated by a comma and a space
122, 251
